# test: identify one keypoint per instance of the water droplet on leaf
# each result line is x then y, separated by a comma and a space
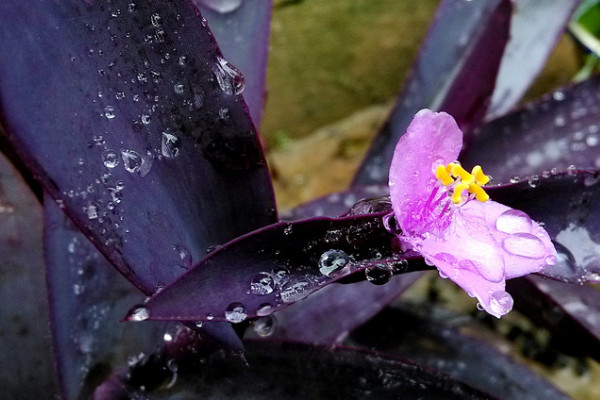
230, 79
332, 260
140, 313
265, 326
236, 313
170, 145
222, 6
379, 274
262, 284
110, 158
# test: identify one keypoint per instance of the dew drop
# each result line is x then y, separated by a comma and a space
262, 284
379, 274
184, 255
236, 313
210, 317
140, 313
170, 145
332, 260
145, 119
179, 88
109, 112
533, 181
110, 158
131, 160
222, 6
524, 245
264, 310
514, 221
295, 292
515, 179
91, 211
501, 302
281, 275
265, 326
558, 95
230, 79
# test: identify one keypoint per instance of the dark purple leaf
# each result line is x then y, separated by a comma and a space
276, 266
534, 31
330, 314
433, 340
87, 299
455, 72
358, 200
242, 30
26, 359
134, 123
560, 130
134, 157
568, 204
274, 370
569, 311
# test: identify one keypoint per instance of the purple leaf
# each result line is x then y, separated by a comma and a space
26, 359
535, 29
273, 370
568, 206
560, 130
87, 299
434, 341
359, 200
150, 149
273, 267
329, 315
242, 31
455, 72
569, 311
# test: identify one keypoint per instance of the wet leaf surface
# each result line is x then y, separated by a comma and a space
242, 31
569, 311
534, 31
561, 129
273, 370
327, 316
26, 357
434, 341
88, 297
151, 139
455, 72
278, 265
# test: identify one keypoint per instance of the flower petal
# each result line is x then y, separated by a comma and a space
469, 241
431, 139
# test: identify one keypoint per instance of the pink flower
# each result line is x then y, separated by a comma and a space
445, 214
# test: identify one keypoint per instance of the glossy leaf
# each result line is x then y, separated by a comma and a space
26, 357
274, 370
355, 201
87, 299
434, 341
276, 266
568, 206
560, 130
242, 31
570, 312
535, 29
150, 149
455, 72
329, 315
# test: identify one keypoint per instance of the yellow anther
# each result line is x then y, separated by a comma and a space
442, 174
479, 193
480, 177
458, 189
460, 172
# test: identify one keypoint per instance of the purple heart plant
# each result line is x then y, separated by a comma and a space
142, 256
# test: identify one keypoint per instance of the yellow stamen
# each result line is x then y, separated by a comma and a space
480, 194
442, 174
458, 189
460, 172
480, 177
